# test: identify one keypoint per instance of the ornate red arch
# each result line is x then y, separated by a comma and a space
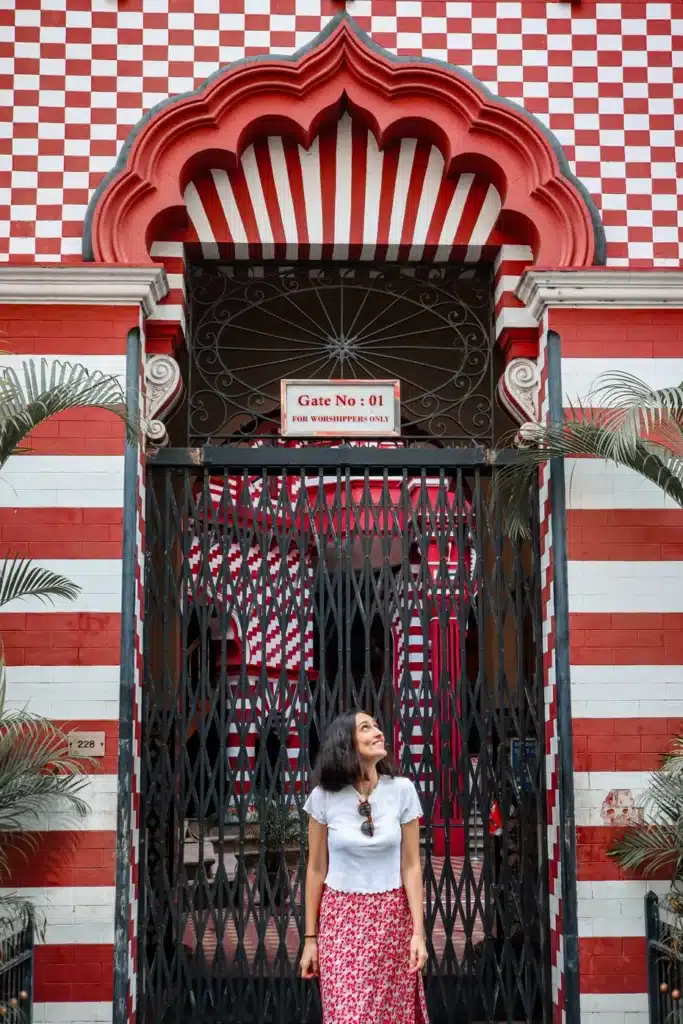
543, 204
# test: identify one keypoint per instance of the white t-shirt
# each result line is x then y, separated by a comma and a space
356, 862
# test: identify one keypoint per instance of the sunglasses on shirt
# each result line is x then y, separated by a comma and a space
365, 811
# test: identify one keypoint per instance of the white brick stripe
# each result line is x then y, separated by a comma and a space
607, 909
591, 790
71, 692
114, 366
625, 586
592, 483
72, 1013
578, 375
100, 793
62, 481
98, 578
74, 915
627, 691
614, 1008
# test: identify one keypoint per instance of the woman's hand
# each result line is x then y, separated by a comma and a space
418, 953
309, 960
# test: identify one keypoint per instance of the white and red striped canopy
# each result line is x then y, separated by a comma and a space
344, 198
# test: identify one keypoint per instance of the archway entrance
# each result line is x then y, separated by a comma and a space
288, 580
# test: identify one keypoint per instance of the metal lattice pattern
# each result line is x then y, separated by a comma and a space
275, 599
430, 327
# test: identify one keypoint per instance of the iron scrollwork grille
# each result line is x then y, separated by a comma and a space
275, 598
430, 327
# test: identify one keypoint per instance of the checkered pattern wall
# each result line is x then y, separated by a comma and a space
78, 74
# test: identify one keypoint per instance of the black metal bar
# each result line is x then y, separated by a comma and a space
126, 691
16, 974
567, 823
319, 458
652, 937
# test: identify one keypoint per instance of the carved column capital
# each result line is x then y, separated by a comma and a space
164, 390
518, 390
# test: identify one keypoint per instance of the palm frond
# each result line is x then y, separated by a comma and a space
51, 388
21, 578
637, 409
651, 847
37, 776
577, 436
656, 842
672, 760
17, 913
617, 390
663, 800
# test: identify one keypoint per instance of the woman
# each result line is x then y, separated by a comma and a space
364, 911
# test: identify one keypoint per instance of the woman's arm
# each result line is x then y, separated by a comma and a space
411, 874
316, 872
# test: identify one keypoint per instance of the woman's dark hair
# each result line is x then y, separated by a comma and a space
338, 764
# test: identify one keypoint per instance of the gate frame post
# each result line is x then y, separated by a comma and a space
652, 935
565, 747
125, 910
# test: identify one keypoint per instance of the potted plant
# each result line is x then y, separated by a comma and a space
282, 835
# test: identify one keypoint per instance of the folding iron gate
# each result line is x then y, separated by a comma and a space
284, 586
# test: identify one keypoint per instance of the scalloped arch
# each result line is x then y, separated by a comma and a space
295, 96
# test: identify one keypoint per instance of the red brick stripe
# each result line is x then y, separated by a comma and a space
593, 861
652, 638
612, 965
66, 858
61, 638
619, 333
78, 432
61, 532
629, 535
67, 330
622, 744
74, 974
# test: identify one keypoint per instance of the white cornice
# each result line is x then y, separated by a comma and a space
602, 287
83, 284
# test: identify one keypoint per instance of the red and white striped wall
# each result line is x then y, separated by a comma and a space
347, 199
625, 573
62, 504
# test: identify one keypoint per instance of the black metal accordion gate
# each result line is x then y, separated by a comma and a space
282, 587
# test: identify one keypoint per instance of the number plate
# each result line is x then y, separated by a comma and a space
86, 744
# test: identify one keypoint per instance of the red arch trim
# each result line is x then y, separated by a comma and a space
294, 98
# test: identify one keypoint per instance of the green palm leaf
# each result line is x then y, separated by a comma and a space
627, 423
651, 847
592, 435
657, 842
20, 578
16, 913
51, 388
636, 408
37, 776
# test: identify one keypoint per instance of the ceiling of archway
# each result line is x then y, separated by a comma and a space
342, 198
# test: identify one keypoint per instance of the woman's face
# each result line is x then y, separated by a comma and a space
369, 739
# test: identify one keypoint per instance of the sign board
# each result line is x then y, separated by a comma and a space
86, 744
341, 408
524, 762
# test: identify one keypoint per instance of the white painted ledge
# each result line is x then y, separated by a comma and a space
86, 284
599, 288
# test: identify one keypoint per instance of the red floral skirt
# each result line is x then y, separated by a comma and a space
364, 952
